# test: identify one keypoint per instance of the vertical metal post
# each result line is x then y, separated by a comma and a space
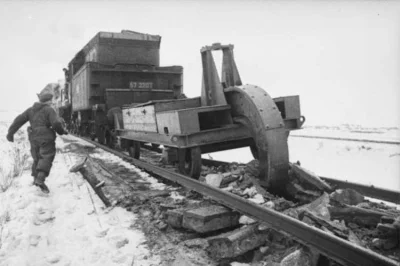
230, 75
212, 91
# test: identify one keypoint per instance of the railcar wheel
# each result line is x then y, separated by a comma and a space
110, 139
134, 149
189, 162
101, 135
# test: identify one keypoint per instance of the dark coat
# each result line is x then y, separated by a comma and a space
42, 135
43, 119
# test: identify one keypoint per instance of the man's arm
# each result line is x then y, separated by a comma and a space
55, 122
19, 121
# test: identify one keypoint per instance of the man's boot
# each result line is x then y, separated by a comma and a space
34, 178
39, 181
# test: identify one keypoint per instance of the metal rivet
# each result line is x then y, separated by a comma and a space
267, 126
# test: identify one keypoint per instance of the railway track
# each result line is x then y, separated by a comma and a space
392, 142
388, 195
331, 246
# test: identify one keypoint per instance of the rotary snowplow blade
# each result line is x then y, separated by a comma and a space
253, 107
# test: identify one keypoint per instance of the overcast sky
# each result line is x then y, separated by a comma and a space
342, 58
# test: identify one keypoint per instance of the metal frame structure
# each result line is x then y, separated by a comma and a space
241, 115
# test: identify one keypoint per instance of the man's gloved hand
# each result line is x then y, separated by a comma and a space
10, 138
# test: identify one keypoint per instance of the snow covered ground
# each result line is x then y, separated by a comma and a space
361, 162
70, 226
347, 131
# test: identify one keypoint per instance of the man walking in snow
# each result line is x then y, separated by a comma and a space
44, 123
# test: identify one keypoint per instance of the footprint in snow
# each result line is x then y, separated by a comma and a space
53, 258
43, 216
39, 193
102, 233
34, 240
119, 257
118, 241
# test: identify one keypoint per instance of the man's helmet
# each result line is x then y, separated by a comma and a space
48, 92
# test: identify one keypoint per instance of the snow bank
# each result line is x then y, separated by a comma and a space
65, 227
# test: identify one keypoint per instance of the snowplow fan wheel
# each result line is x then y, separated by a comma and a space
255, 109
189, 162
254, 152
134, 149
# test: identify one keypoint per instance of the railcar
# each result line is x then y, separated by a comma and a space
227, 115
114, 69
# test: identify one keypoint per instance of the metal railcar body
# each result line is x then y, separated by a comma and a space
114, 69
228, 115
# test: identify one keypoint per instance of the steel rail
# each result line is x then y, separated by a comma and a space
392, 142
369, 191
331, 246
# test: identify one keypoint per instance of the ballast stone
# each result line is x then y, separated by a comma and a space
214, 179
210, 218
347, 196
237, 242
175, 218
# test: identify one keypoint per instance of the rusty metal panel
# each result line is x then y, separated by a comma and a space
140, 119
80, 90
136, 52
204, 118
168, 123
187, 121
289, 106
172, 104
124, 47
208, 137
89, 85
178, 122
120, 97
138, 79
177, 104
